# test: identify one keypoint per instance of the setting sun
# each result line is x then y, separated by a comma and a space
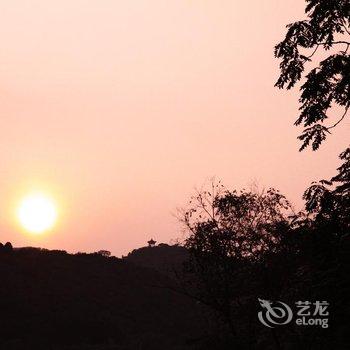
37, 213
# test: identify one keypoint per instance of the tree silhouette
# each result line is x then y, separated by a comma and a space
105, 253
328, 201
326, 85
8, 247
230, 231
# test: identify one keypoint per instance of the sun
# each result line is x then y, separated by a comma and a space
37, 213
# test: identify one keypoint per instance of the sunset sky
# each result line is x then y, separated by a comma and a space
119, 109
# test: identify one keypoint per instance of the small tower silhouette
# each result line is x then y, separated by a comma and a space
151, 243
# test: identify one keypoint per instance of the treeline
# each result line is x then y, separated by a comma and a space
56, 300
249, 246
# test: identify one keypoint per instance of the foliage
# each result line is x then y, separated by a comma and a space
328, 84
329, 201
229, 233
105, 253
235, 224
246, 245
7, 247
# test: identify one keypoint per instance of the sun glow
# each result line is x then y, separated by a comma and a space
37, 213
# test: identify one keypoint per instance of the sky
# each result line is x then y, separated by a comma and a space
120, 109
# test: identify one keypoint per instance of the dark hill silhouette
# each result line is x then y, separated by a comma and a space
163, 258
55, 300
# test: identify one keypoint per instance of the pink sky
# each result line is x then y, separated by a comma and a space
122, 108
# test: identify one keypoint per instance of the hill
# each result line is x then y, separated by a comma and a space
55, 300
163, 258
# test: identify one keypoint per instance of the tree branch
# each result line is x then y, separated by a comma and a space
335, 42
347, 48
317, 46
343, 116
